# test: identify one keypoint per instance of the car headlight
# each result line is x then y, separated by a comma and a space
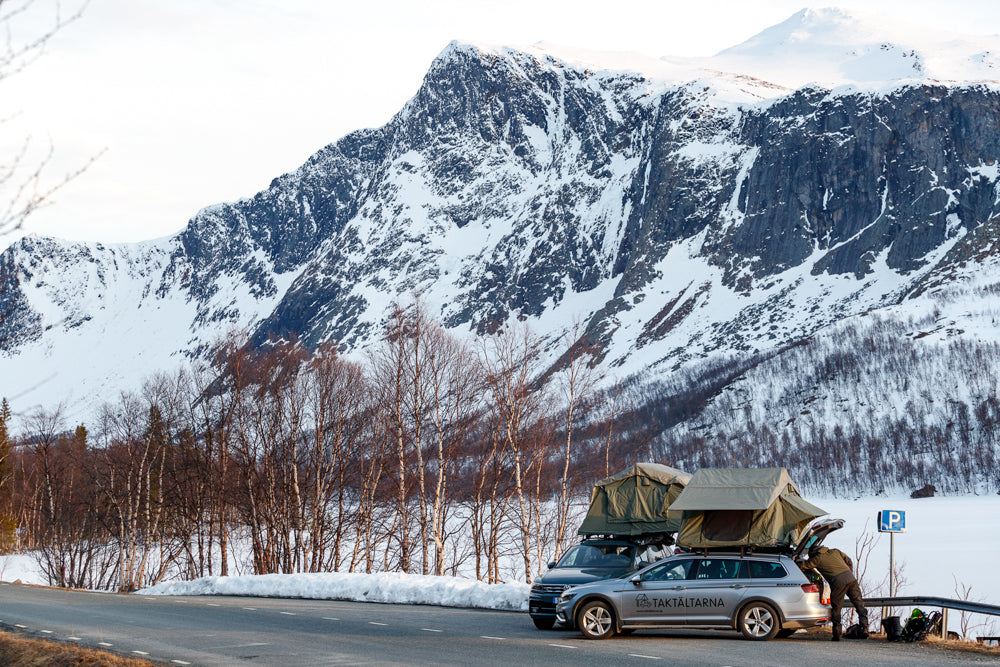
568, 595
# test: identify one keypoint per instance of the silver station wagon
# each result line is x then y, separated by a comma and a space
760, 595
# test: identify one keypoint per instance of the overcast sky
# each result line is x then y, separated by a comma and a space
203, 101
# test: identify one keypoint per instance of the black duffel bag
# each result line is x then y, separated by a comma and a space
892, 629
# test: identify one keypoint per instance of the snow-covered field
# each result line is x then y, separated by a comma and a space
949, 542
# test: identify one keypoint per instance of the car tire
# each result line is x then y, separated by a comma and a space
758, 621
785, 633
596, 620
543, 622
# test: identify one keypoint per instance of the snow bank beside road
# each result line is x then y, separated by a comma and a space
392, 587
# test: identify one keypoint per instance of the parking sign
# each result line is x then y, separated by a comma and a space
892, 521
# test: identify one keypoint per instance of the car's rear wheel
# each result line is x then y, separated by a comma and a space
758, 621
543, 622
596, 620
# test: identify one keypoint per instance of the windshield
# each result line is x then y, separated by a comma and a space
600, 555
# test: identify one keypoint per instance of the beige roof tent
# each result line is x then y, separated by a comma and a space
742, 507
635, 501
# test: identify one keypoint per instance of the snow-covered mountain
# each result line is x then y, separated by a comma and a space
681, 209
833, 47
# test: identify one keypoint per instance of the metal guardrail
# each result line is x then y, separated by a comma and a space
944, 603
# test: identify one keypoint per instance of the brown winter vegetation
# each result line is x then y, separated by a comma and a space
16, 651
965, 645
931, 643
434, 456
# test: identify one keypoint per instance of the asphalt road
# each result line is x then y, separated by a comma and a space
287, 632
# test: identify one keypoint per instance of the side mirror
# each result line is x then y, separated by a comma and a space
552, 564
636, 580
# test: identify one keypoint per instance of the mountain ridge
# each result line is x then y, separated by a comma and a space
719, 215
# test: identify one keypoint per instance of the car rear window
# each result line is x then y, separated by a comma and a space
765, 570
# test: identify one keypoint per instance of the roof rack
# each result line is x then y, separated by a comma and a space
772, 550
664, 539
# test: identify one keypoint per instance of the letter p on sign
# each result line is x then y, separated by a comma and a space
892, 521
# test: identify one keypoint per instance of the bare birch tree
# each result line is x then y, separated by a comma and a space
236, 368
390, 365
369, 463
23, 183
454, 387
65, 511
576, 381
509, 362
134, 473
400, 368
209, 418
613, 403
338, 395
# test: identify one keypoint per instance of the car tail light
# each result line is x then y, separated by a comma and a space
810, 588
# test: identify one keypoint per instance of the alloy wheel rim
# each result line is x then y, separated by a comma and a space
597, 621
759, 621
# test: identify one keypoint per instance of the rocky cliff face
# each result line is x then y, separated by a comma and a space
676, 219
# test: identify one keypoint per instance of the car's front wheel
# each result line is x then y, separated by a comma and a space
758, 621
543, 622
596, 620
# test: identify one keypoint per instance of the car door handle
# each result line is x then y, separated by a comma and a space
737, 586
679, 588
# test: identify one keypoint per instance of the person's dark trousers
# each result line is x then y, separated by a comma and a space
845, 584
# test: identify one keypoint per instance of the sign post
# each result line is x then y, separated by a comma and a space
892, 522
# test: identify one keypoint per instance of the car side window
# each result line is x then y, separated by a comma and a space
672, 571
766, 570
649, 555
718, 568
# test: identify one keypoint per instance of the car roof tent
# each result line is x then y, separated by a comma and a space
636, 501
742, 507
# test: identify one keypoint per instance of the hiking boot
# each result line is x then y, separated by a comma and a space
836, 634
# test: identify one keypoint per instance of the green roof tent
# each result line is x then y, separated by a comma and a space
742, 507
635, 501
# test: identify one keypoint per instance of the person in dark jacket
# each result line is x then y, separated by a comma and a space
836, 566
